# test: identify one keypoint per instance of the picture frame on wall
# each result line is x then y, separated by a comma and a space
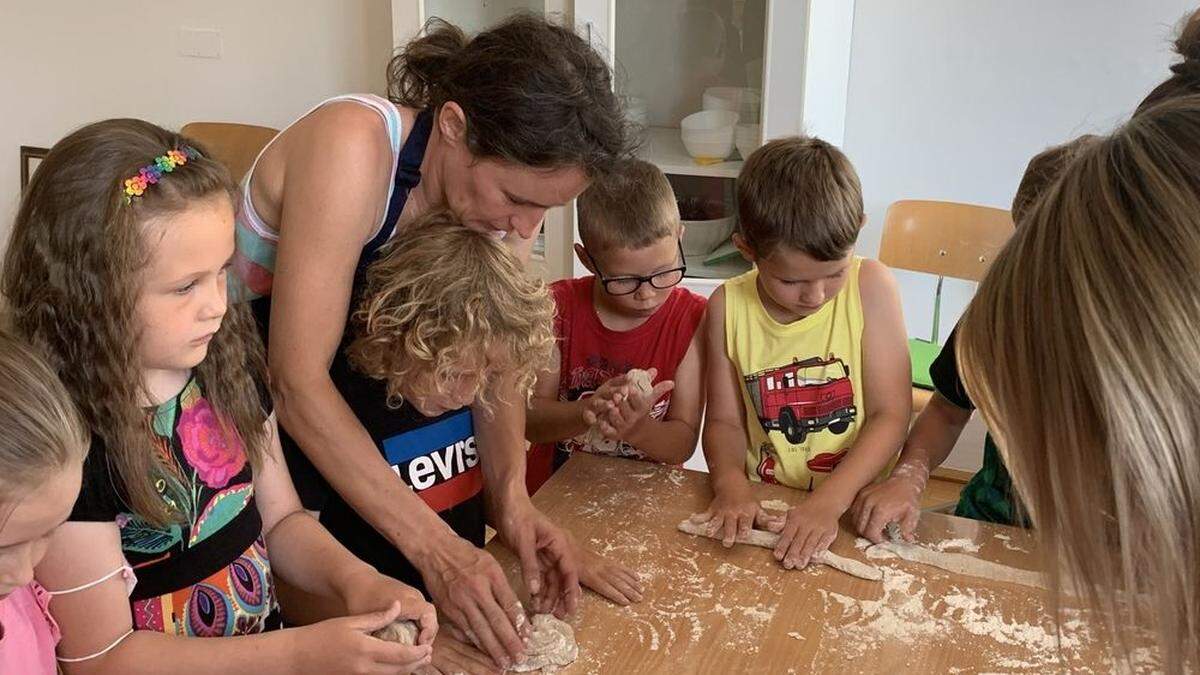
31, 156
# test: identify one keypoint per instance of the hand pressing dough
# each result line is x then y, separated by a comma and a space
962, 564
640, 381
403, 631
770, 540
551, 645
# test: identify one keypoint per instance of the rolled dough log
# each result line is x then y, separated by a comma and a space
770, 539
551, 645
640, 380
403, 631
959, 563
775, 505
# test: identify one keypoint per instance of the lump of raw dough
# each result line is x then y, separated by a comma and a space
403, 631
551, 645
640, 381
775, 505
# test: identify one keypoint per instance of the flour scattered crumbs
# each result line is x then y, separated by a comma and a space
908, 613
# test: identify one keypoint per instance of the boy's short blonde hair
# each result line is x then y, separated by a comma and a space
631, 208
443, 295
799, 192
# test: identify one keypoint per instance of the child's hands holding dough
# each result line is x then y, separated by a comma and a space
631, 414
897, 499
606, 397
734, 511
810, 527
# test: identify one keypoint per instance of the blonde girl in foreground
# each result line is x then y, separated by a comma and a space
1094, 310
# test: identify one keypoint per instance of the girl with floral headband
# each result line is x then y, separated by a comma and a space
186, 514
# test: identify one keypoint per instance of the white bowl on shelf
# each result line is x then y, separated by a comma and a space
706, 225
747, 138
722, 98
708, 135
746, 102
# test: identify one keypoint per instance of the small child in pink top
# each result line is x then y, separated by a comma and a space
42, 447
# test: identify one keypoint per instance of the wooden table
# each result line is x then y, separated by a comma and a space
712, 610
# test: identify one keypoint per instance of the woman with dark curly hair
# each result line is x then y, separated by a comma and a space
497, 129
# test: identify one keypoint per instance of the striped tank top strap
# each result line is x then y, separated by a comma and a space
254, 261
405, 176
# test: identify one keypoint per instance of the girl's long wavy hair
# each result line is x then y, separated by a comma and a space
1082, 350
72, 276
443, 297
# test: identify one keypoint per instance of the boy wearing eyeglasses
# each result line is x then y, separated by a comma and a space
809, 380
629, 313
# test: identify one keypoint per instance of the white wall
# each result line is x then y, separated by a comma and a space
949, 99
69, 62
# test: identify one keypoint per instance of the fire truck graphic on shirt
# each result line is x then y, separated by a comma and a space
803, 397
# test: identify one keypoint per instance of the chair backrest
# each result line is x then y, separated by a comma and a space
234, 145
948, 239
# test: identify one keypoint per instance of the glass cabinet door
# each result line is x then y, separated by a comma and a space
707, 81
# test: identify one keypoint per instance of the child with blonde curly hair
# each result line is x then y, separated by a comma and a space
446, 317
446, 312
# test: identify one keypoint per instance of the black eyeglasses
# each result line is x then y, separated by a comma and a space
627, 285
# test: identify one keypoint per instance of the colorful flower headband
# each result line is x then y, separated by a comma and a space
149, 174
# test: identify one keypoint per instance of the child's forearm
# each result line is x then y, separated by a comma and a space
668, 441
932, 437
725, 452
551, 420
310, 559
147, 651
877, 442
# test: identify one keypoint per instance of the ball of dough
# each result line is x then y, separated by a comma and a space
551, 645
640, 379
403, 631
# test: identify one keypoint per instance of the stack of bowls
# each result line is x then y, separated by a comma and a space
747, 138
747, 103
708, 134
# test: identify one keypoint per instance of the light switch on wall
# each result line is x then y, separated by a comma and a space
201, 43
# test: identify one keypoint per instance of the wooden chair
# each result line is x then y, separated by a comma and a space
946, 239
234, 145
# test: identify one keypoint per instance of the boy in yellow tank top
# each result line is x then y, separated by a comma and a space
809, 382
